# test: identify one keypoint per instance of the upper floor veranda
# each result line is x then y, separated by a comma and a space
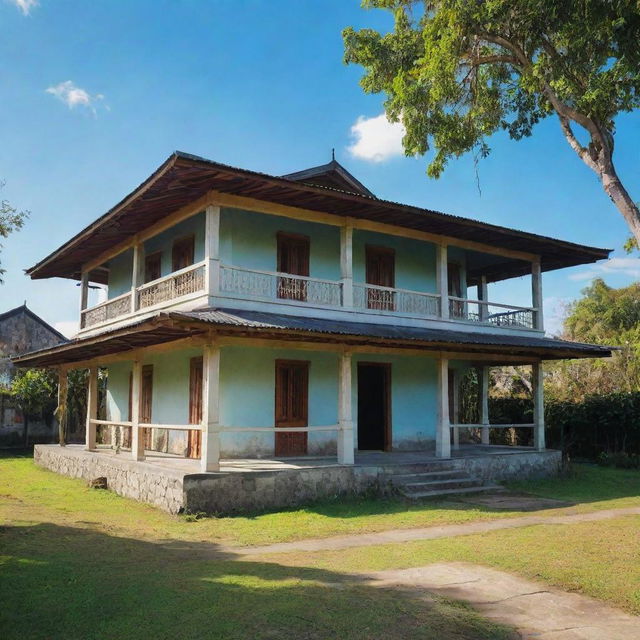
197, 234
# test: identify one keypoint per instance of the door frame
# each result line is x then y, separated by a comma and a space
386, 366
304, 434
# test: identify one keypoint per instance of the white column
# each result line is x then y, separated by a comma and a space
456, 409
345, 415
443, 280
538, 406
483, 294
443, 430
212, 249
210, 450
536, 295
137, 276
346, 265
137, 439
483, 399
84, 292
92, 408
61, 410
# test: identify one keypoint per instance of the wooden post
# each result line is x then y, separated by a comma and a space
61, 410
346, 265
483, 399
210, 452
137, 439
538, 406
483, 294
92, 408
443, 429
136, 274
443, 280
456, 409
345, 416
84, 294
212, 249
536, 295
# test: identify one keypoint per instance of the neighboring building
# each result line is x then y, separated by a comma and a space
21, 330
251, 315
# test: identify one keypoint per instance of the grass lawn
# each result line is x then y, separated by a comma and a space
29, 494
82, 563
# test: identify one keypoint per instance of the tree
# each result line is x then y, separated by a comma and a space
607, 316
457, 71
10, 220
35, 393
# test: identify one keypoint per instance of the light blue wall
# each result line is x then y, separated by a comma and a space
120, 274
120, 267
249, 239
415, 266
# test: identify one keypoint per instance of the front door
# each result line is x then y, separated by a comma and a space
195, 407
380, 271
146, 396
374, 406
292, 401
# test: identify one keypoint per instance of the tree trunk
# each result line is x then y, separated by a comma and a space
26, 430
621, 198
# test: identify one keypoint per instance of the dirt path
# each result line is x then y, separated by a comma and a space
535, 609
428, 533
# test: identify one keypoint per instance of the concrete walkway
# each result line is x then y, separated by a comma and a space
429, 533
536, 610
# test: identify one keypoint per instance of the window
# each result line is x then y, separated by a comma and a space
380, 271
182, 253
152, 267
293, 258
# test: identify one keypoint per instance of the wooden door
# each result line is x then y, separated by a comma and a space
292, 402
454, 285
380, 271
293, 258
195, 407
152, 267
182, 254
146, 397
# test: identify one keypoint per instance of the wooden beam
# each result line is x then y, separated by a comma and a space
92, 409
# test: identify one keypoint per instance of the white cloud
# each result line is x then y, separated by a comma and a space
614, 266
25, 5
555, 311
376, 139
74, 96
67, 328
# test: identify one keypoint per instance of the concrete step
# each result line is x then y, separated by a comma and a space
452, 474
451, 492
437, 485
422, 467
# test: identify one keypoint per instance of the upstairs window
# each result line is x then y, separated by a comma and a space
152, 267
293, 258
182, 253
380, 271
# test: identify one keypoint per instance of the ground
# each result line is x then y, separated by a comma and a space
85, 563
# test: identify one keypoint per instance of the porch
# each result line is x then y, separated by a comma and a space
176, 484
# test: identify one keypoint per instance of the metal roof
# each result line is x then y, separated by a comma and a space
173, 325
184, 178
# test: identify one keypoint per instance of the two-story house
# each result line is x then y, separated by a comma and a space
258, 316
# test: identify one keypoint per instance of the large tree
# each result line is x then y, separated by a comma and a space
456, 71
10, 220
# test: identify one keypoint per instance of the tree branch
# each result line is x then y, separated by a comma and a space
583, 152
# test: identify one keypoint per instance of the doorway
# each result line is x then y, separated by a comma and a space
374, 406
292, 406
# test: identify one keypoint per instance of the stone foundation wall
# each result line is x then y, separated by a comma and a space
507, 466
138, 480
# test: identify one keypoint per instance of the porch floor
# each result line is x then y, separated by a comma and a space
362, 458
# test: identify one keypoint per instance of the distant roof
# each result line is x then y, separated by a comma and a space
26, 311
183, 178
332, 175
173, 325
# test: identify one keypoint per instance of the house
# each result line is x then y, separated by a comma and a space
259, 317
22, 330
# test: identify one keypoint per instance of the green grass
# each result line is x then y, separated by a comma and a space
30, 495
600, 559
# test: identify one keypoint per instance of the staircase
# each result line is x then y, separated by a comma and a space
434, 481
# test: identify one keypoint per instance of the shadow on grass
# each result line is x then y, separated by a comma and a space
63, 582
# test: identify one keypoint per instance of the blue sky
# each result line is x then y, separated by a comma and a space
97, 94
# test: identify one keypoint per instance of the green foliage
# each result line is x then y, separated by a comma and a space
620, 460
455, 72
10, 220
35, 392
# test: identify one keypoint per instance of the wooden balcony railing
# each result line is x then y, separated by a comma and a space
181, 283
370, 296
105, 311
